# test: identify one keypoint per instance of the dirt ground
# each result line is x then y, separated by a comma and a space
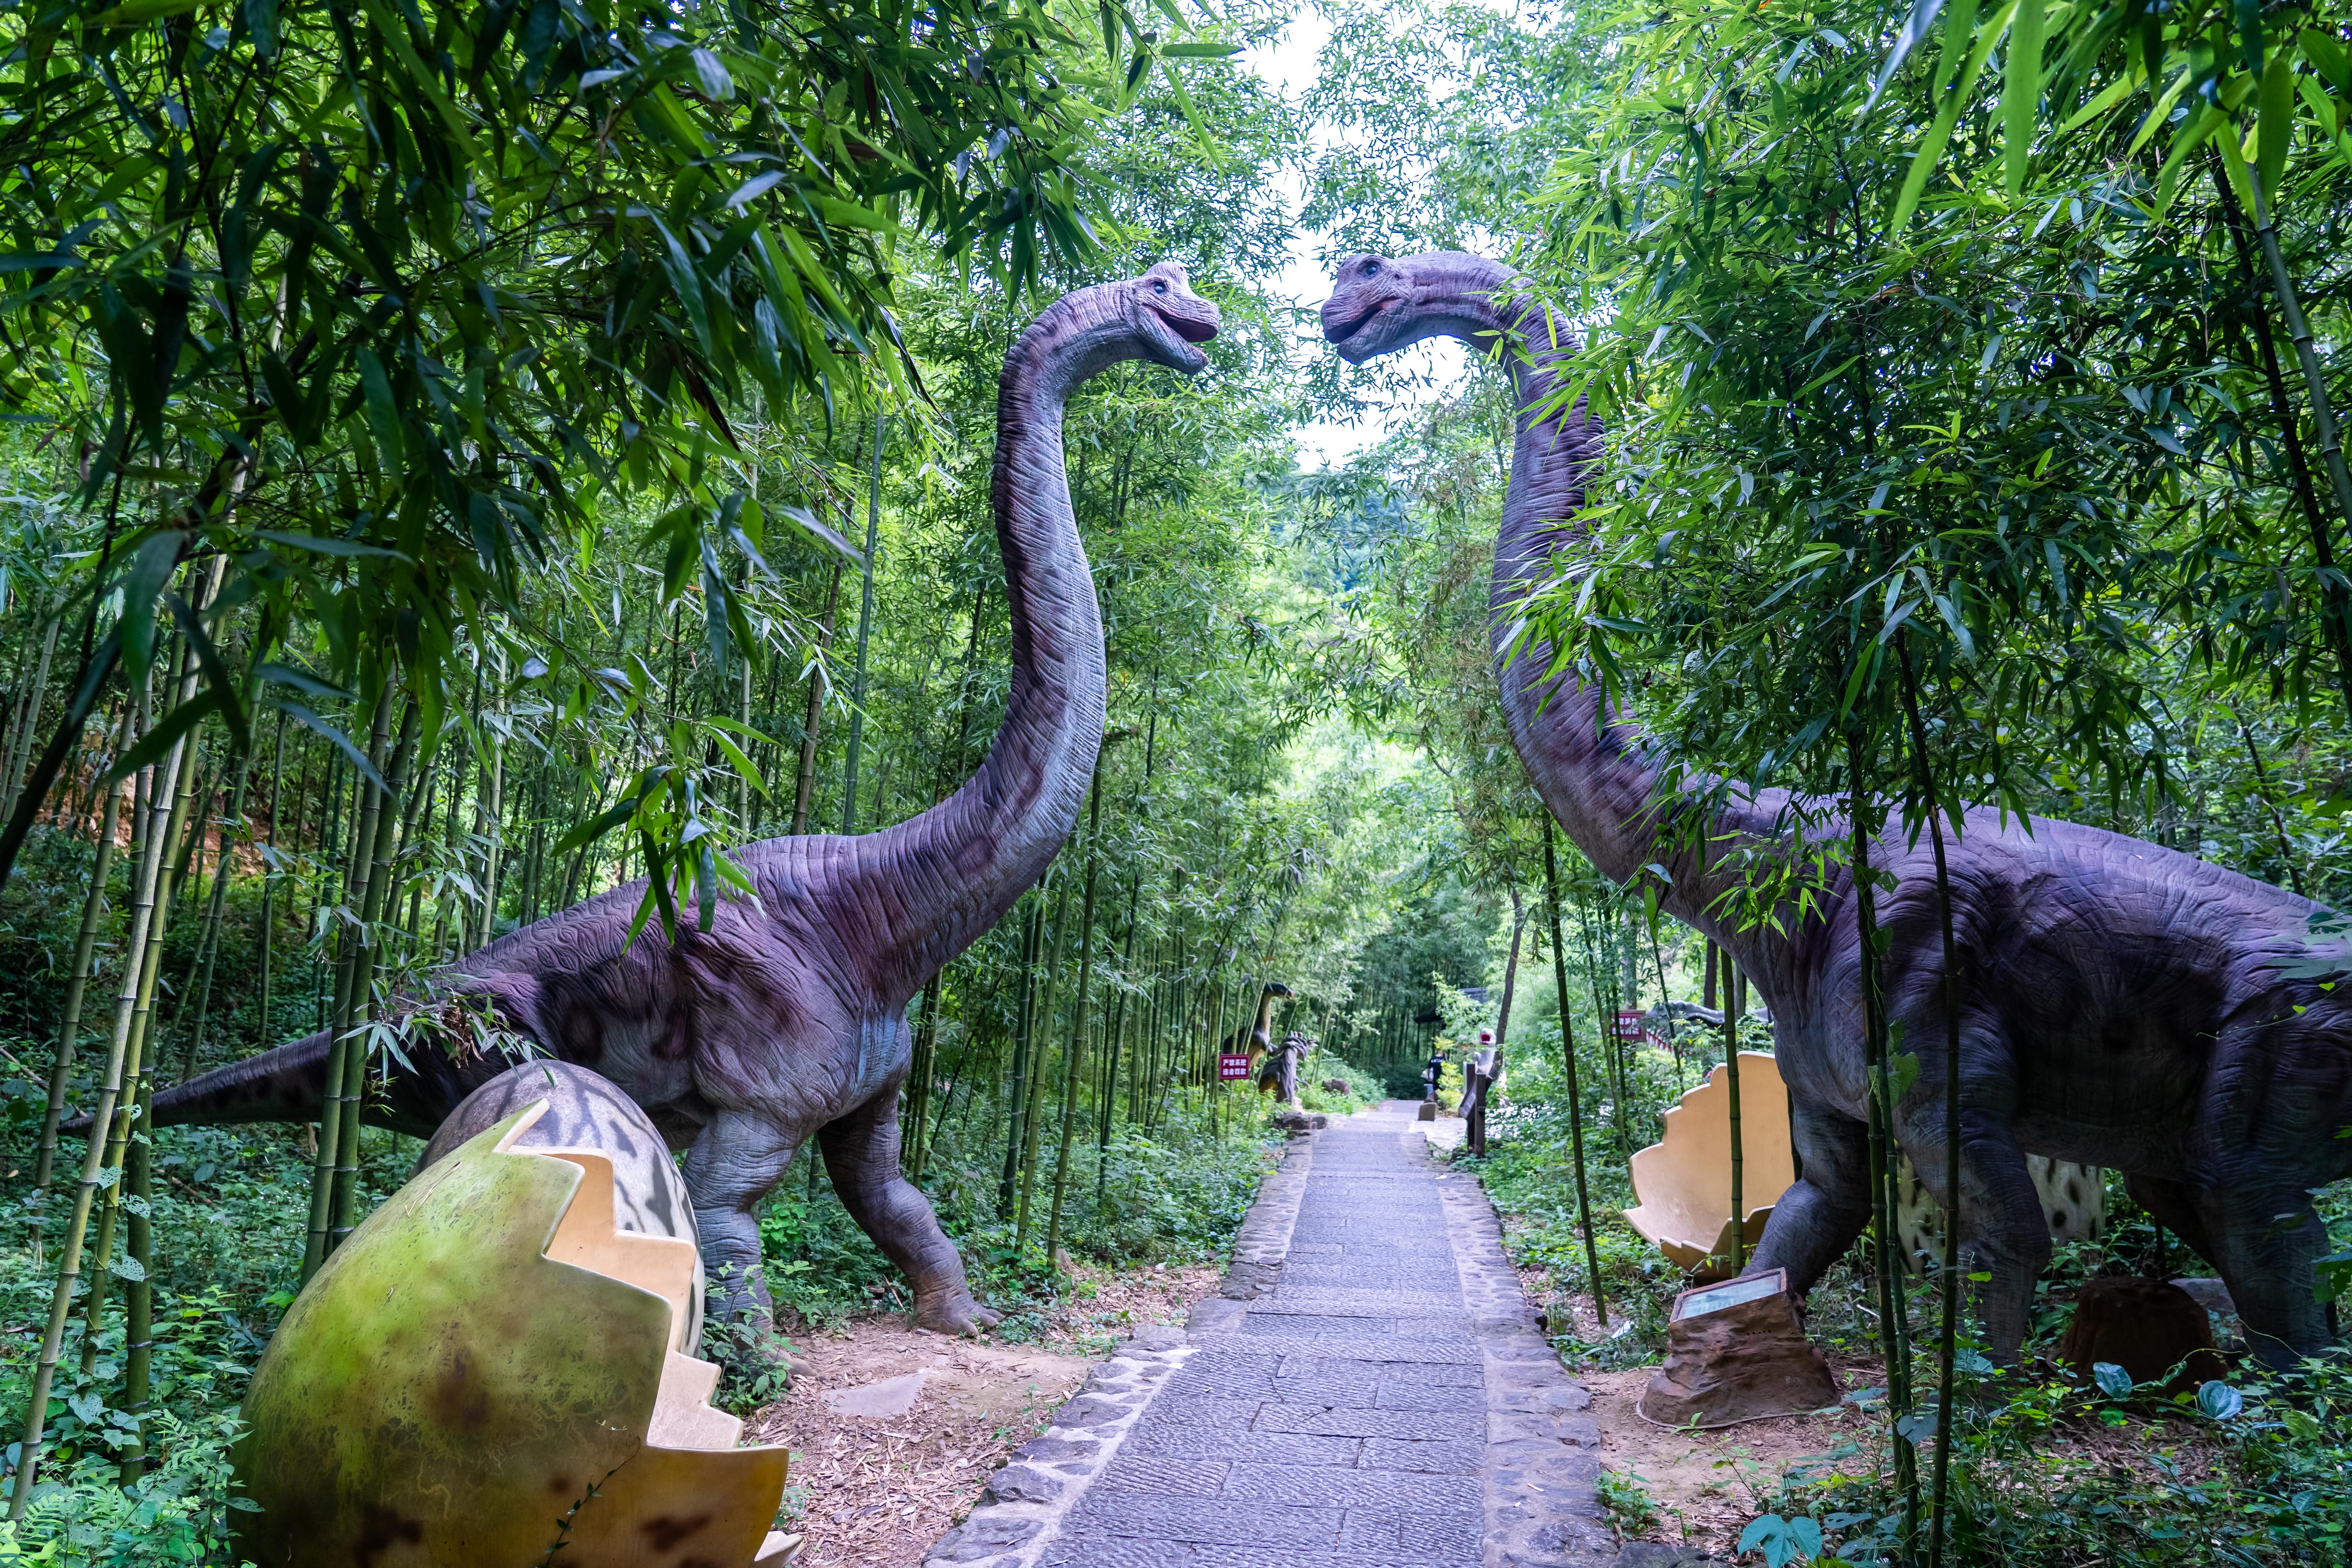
1708, 1484
878, 1491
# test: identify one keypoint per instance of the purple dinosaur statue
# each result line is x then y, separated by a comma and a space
788, 1016
2127, 1007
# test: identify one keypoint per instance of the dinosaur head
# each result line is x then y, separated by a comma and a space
1276, 988
1168, 318
1380, 304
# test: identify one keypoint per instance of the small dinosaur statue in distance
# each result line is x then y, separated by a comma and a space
2126, 1005
1278, 1074
1257, 1038
787, 1018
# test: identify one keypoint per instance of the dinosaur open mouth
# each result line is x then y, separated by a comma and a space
1342, 333
1191, 330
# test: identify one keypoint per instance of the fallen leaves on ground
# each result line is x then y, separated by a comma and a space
879, 1492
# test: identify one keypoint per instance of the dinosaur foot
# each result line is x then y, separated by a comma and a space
955, 1314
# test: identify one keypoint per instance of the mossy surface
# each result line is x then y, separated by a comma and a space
441, 1392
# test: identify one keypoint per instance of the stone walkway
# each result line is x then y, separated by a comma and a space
1368, 1389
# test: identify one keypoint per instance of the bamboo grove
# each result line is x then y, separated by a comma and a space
462, 460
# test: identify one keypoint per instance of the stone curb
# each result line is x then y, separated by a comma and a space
1542, 1449
1028, 1499
1046, 1476
1264, 1240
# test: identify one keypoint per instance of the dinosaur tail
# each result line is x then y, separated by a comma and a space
287, 1084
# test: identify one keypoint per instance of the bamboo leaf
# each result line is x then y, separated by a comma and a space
157, 741
217, 675
1931, 151
151, 568
1915, 27
326, 544
2274, 131
2022, 90
333, 736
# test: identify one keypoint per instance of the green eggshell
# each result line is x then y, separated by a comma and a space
440, 1394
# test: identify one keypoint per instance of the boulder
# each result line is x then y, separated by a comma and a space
1738, 1352
2145, 1327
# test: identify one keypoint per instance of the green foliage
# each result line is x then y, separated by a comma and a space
228, 1212
2252, 1472
388, 335
175, 1516
1630, 1510
1179, 1197
1362, 1090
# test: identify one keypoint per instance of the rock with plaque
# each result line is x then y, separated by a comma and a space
1738, 1352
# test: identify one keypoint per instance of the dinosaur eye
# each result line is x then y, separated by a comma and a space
1371, 266
1158, 287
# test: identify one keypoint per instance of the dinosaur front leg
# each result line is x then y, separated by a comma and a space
733, 1162
861, 1154
1818, 1217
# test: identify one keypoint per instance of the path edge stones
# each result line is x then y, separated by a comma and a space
1542, 1448
1027, 1500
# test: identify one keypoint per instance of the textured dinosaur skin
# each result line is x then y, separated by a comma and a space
2125, 1005
787, 1018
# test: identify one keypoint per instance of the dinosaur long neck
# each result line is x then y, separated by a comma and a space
1594, 771
922, 891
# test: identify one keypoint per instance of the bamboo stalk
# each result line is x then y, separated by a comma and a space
1034, 1105
1568, 1055
865, 632
374, 902
340, 1052
2314, 374
270, 883
209, 947
93, 912
102, 1116
20, 742
1739, 1189
1017, 1103
1078, 1023
1948, 1331
918, 1077
139, 1295
805, 791
1893, 1340
489, 823
175, 804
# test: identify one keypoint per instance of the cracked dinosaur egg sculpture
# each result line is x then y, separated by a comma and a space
486, 1372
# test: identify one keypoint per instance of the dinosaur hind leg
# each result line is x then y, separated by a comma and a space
2268, 1244
861, 1154
733, 1163
1816, 1219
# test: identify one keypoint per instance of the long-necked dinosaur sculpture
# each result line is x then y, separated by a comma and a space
2126, 1005
787, 1018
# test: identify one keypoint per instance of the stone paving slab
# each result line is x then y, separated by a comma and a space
1367, 1388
